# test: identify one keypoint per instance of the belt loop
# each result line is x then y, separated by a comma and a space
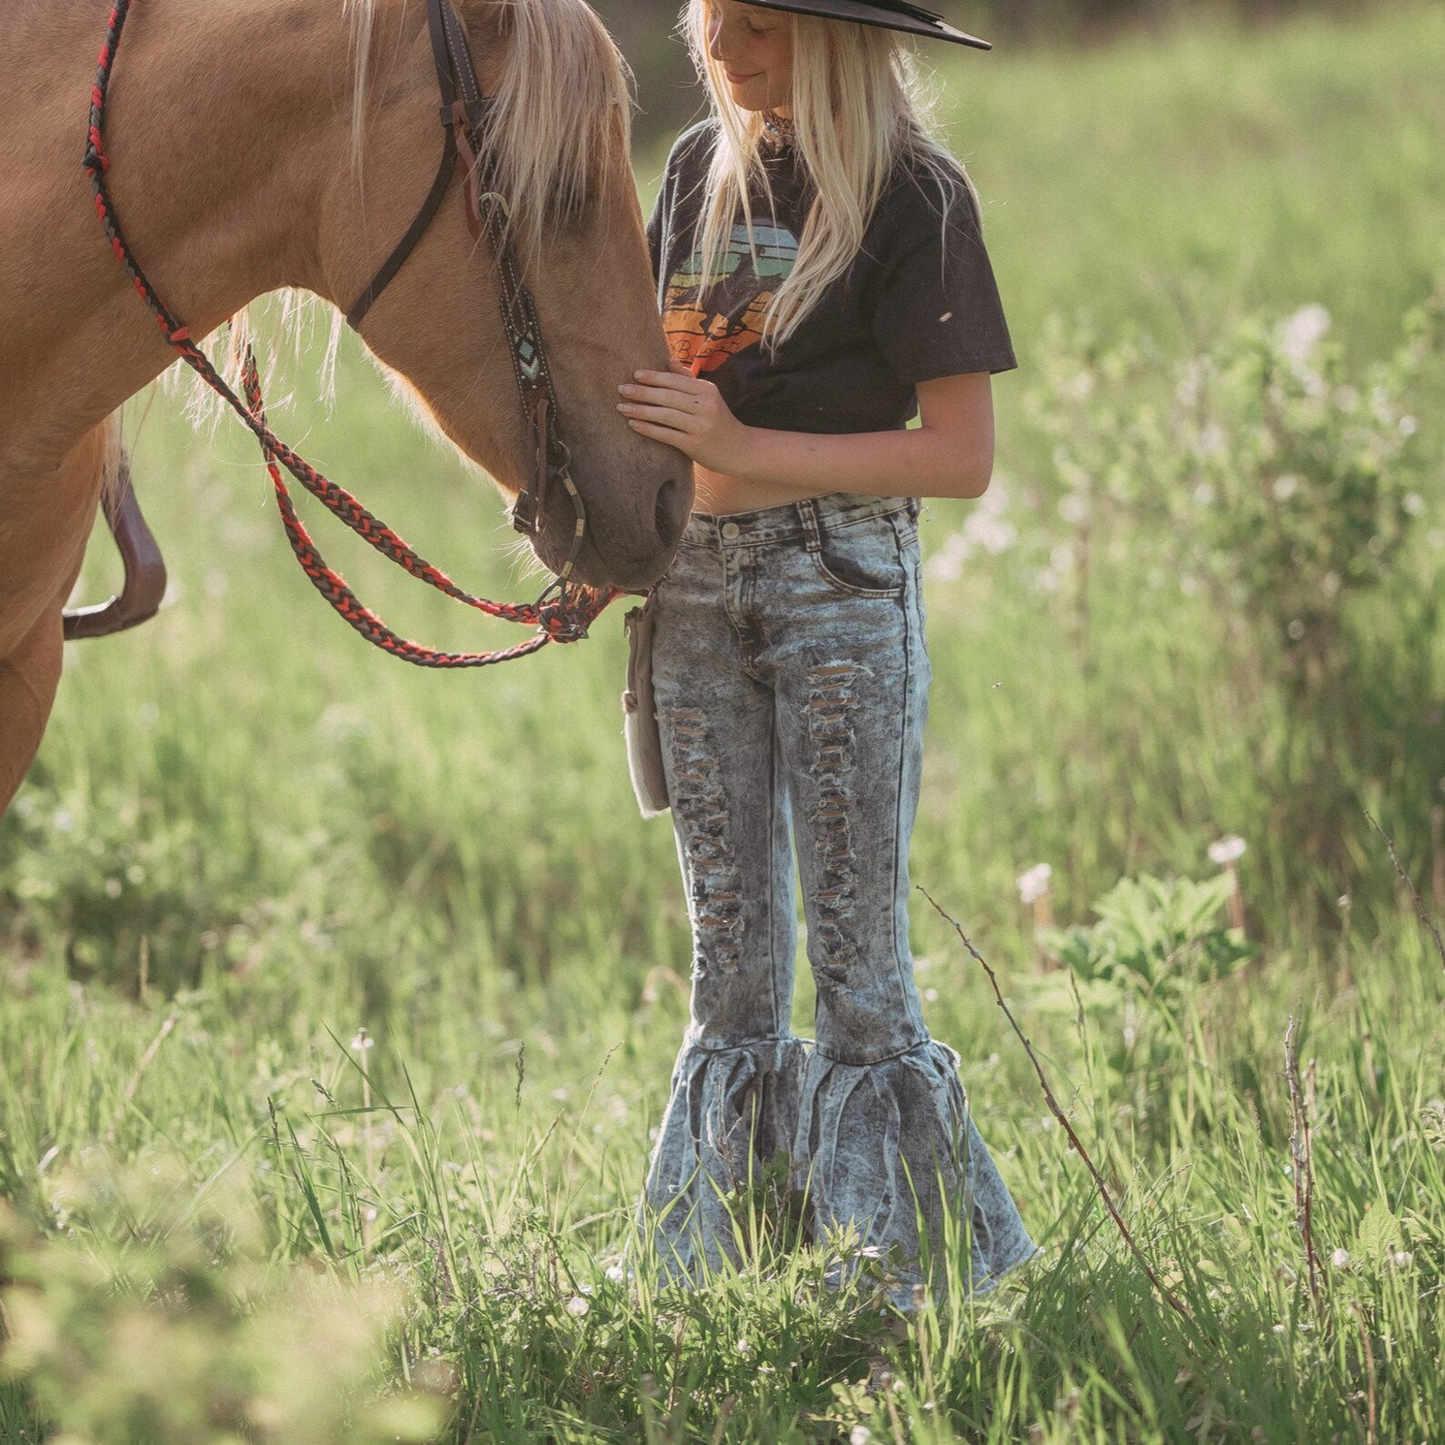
914, 507
812, 525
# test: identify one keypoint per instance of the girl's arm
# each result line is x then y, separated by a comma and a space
950, 454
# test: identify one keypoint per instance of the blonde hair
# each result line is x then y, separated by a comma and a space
858, 109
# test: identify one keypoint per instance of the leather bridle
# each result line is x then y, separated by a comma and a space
465, 115
566, 608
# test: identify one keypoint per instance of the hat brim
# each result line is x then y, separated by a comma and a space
860, 12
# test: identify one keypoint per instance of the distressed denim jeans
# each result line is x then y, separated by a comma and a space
791, 682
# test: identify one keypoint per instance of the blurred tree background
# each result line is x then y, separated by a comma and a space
669, 97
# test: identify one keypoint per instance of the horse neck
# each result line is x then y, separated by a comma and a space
226, 130
226, 122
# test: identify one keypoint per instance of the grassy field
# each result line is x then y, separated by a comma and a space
338, 999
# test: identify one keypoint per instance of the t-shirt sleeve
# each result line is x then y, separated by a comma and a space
936, 305
654, 228
680, 174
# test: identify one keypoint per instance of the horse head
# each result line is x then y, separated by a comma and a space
556, 142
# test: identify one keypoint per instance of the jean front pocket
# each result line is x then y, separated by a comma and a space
862, 560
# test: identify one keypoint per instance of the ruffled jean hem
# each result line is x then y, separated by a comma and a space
729, 1117
886, 1155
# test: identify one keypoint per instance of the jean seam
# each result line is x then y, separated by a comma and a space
772, 863
882, 1059
746, 1044
910, 721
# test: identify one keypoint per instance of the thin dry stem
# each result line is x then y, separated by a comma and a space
1409, 883
133, 1083
1302, 1166
1372, 1434
1164, 1293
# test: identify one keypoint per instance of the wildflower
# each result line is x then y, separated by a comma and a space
745, 1346
616, 1273
860, 1435
1212, 439
1227, 850
362, 1042
577, 1306
1034, 884
1340, 1258
1303, 332
946, 565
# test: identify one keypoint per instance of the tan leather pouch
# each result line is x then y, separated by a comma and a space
639, 714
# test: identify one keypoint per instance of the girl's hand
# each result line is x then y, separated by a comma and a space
688, 413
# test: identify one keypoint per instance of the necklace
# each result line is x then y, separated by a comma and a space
779, 128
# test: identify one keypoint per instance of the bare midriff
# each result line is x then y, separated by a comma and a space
719, 495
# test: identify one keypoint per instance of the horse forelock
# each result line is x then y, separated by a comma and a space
560, 127
559, 130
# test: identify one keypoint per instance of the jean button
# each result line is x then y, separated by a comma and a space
731, 531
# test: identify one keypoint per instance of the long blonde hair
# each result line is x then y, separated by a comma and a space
858, 109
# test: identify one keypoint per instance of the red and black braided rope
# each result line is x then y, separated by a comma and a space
563, 618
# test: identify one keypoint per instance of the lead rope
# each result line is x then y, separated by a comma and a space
564, 618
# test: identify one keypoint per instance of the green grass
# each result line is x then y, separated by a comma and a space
249, 836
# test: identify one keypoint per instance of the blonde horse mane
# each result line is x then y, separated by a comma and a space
562, 117
563, 108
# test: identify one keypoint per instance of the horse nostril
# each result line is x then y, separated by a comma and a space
670, 511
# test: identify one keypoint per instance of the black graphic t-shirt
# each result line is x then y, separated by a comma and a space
918, 302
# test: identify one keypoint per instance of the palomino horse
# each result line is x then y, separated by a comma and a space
261, 144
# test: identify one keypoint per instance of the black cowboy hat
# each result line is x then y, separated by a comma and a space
886, 14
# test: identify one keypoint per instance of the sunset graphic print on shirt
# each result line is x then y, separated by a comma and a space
710, 318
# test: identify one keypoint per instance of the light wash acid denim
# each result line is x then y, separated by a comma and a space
791, 683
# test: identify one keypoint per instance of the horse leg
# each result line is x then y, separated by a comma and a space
28, 679
44, 525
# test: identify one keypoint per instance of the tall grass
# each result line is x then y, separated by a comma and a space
314, 964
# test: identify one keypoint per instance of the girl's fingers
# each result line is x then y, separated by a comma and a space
665, 434
660, 396
660, 415
683, 381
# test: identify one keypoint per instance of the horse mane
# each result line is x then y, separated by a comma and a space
563, 108
562, 118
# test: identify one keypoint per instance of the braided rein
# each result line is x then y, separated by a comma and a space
566, 608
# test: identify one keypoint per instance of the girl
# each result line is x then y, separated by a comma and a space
822, 278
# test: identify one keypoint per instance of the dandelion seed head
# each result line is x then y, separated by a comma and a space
1034, 884
1303, 332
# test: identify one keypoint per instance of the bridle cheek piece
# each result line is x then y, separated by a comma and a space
465, 114
565, 609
